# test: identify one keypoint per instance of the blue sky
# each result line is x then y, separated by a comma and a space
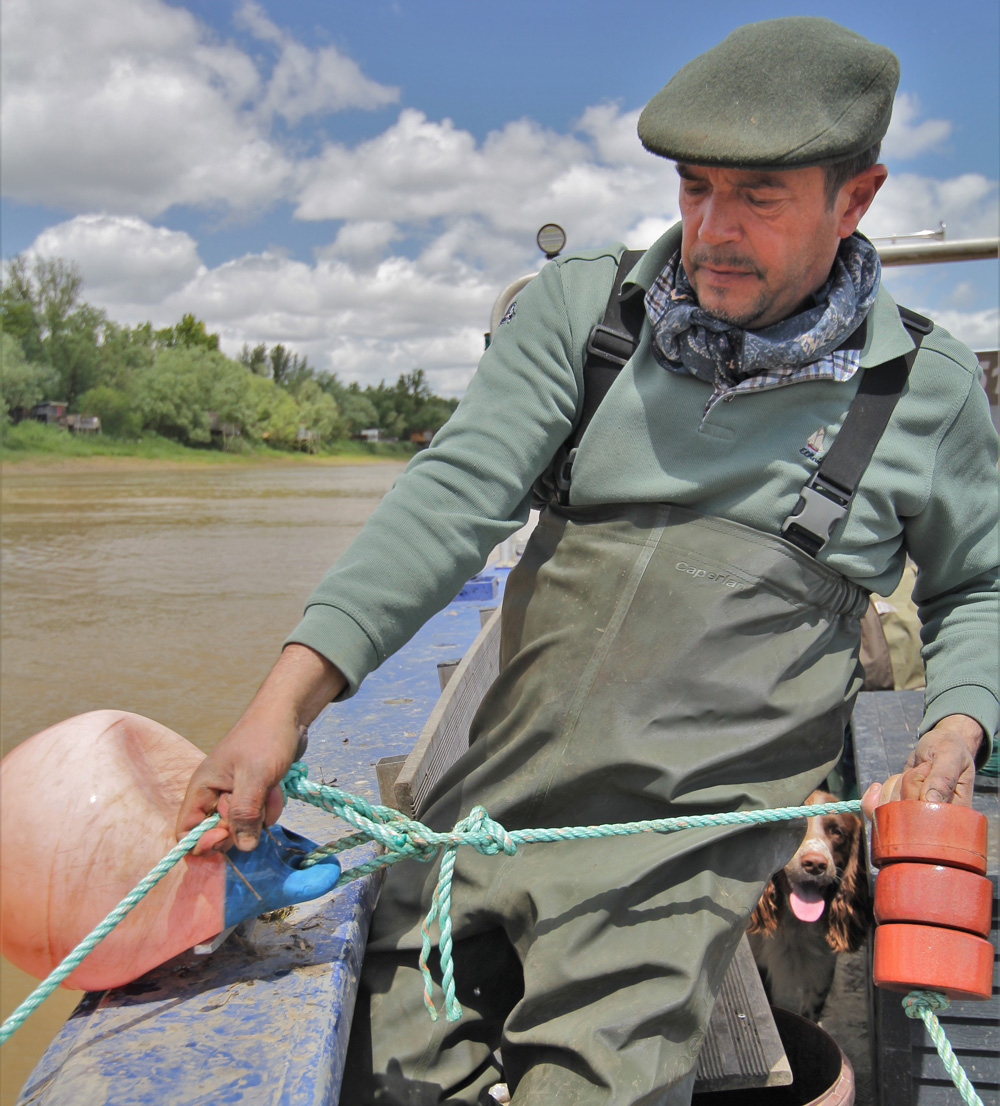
359, 180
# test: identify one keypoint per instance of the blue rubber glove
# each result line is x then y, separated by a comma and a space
271, 870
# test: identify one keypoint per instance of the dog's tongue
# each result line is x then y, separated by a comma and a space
807, 903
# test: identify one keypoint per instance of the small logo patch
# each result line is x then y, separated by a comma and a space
508, 314
814, 444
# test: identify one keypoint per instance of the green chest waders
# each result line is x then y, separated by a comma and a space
653, 663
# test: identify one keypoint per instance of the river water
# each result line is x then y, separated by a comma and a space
160, 588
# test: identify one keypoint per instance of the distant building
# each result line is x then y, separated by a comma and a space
82, 424
49, 411
306, 439
224, 430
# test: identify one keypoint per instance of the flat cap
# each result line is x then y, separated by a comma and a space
780, 94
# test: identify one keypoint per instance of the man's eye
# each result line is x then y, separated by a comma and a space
762, 201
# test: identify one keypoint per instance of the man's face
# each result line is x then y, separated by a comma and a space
756, 244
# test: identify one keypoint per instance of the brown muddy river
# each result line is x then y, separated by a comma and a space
157, 588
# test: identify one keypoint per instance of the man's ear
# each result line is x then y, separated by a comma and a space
856, 197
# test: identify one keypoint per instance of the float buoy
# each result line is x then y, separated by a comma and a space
932, 900
87, 808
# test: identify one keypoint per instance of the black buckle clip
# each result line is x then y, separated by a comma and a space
821, 505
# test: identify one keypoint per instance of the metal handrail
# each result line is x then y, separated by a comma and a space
919, 253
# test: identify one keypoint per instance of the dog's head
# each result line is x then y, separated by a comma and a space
823, 883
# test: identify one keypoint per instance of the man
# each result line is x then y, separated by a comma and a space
665, 649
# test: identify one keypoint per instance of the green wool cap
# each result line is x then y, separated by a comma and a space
781, 94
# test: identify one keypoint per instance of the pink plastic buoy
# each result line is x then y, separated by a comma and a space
87, 808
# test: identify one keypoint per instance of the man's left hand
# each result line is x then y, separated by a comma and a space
941, 769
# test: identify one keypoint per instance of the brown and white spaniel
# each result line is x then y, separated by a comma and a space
816, 906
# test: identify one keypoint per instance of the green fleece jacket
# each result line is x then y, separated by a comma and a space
930, 489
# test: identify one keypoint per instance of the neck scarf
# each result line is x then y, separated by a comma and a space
688, 339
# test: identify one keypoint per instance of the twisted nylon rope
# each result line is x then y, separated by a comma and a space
405, 838
922, 1004
132, 899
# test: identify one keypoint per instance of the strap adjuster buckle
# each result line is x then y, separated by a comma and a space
612, 345
562, 474
821, 505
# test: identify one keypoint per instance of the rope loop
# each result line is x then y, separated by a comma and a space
917, 1001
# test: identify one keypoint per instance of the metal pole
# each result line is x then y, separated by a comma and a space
921, 253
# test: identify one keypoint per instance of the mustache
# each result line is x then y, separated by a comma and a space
714, 259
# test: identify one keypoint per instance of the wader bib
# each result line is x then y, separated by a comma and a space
654, 663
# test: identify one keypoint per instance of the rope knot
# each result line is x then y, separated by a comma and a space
486, 835
407, 841
918, 1001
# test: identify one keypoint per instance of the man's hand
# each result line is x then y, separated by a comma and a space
941, 769
240, 777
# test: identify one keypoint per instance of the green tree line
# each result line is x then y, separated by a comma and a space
175, 381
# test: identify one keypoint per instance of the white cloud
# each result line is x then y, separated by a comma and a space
309, 82
966, 204
128, 107
484, 201
613, 133
122, 257
906, 136
131, 106
980, 330
362, 242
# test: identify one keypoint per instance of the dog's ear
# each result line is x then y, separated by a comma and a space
850, 912
764, 919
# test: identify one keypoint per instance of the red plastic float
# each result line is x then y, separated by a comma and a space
932, 900
932, 958
935, 833
932, 895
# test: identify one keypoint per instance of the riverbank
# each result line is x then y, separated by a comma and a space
35, 443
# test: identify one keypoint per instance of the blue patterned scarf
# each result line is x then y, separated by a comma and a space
688, 339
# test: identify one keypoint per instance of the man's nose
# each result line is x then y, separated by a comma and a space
719, 222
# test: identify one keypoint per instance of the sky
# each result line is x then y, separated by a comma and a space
359, 181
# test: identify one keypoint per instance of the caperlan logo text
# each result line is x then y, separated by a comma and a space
726, 579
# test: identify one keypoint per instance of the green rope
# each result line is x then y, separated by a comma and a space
131, 900
922, 1004
406, 838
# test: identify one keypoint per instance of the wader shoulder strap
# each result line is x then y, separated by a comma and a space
610, 344
824, 500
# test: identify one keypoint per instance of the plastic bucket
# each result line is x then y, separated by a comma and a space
822, 1074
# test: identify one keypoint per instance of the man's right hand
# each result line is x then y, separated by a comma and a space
240, 777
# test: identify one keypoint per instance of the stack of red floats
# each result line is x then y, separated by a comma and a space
932, 900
